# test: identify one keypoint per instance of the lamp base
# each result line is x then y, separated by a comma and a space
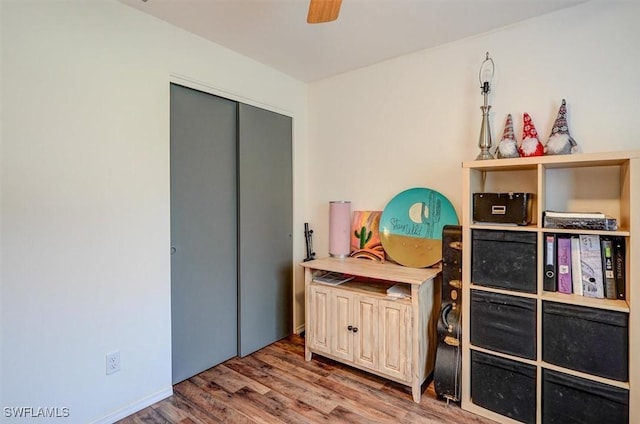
484, 141
485, 154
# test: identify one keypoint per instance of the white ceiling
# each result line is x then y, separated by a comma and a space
275, 32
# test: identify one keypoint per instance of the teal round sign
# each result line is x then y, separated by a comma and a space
411, 226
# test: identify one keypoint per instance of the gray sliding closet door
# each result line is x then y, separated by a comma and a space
203, 231
266, 219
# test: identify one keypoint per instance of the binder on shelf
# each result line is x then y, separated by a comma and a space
564, 265
576, 266
619, 255
550, 280
591, 266
607, 269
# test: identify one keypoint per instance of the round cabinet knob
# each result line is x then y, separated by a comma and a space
355, 329
454, 295
173, 250
350, 328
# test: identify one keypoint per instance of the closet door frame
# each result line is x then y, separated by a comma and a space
285, 272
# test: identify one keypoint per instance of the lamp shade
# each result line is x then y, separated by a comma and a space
339, 228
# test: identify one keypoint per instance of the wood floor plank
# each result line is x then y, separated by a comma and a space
285, 409
324, 366
195, 413
276, 385
297, 359
148, 415
293, 343
291, 388
344, 415
367, 406
361, 393
237, 401
348, 401
231, 380
176, 409
339, 370
298, 372
218, 410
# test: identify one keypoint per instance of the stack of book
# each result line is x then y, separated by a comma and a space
579, 220
585, 264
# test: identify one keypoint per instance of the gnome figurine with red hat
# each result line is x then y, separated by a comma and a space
507, 146
560, 141
530, 145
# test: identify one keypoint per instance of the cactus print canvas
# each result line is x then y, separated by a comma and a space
365, 235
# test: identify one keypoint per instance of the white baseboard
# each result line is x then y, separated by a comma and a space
299, 330
135, 407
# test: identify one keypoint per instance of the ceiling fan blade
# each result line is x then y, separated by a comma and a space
323, 11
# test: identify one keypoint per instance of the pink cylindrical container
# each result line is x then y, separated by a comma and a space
339, 228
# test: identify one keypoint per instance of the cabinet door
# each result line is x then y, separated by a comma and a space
366, 332
395, 339
318, 331
341, 320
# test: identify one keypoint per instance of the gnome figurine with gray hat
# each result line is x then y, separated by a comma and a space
560, 141
507, 146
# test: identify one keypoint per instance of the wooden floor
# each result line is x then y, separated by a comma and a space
276, 385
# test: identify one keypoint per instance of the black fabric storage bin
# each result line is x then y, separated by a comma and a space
572, 400
503, 323
591, 340
504, 386
504, 259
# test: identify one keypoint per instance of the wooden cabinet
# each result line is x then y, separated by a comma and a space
605, 182
357, 324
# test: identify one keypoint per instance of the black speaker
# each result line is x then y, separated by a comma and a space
446, 374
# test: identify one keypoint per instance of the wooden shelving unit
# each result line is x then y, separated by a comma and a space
606, 182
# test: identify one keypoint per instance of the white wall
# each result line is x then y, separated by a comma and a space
411, 121
85, 196
1, 184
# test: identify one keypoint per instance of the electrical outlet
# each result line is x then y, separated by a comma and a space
113, 362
